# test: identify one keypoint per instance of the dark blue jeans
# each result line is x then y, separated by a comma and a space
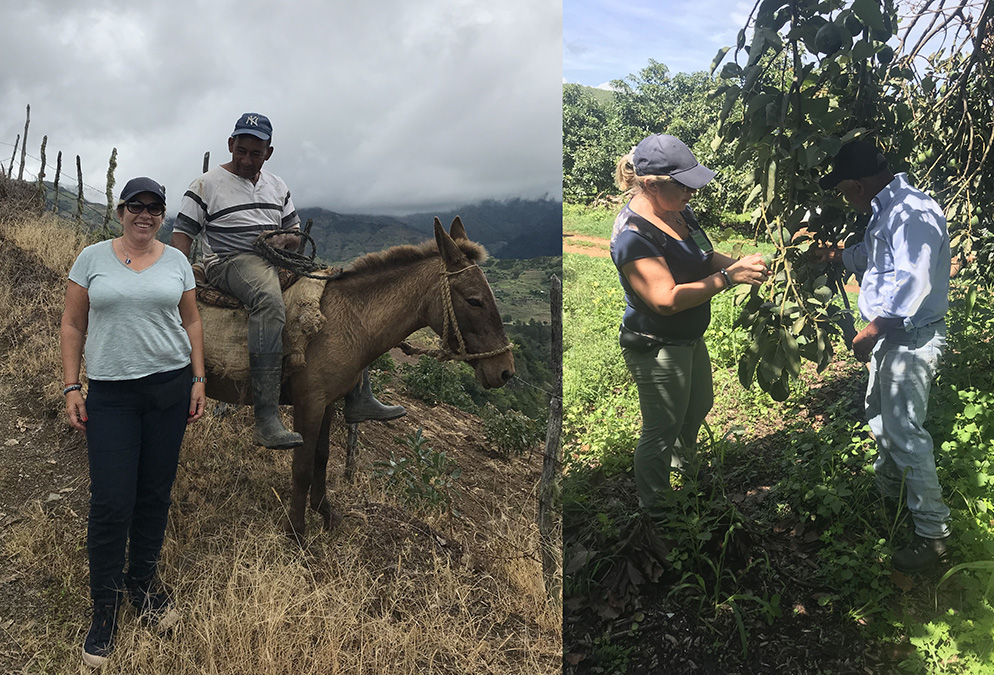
133, 432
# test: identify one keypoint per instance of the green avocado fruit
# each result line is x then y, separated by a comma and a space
828, 39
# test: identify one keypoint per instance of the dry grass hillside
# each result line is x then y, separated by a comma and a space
390, 590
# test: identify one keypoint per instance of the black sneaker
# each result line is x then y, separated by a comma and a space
100, 639
155, 608
921, 554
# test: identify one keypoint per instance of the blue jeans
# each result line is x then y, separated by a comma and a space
902, 368
256, 283
134, 432
675, 395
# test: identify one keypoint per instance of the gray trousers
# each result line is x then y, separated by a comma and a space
256, 283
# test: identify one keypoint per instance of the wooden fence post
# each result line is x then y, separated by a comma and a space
41, 173
548, 491
58, 172
111, 166
79, 194
351, 452
13, 156
24, 144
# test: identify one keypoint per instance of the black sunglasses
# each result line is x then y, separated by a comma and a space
154, 209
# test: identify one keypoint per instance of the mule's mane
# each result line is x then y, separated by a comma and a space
408, 253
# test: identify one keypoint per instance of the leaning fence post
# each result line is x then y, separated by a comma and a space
58, 172
79, 194
13, 155
24, 145
548, 490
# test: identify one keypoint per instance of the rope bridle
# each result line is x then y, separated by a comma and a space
451, 324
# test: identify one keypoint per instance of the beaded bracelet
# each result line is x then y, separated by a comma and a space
199, 379
72, 387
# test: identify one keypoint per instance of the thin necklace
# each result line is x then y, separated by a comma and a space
127, 258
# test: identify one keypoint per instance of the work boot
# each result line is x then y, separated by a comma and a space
266, 371
154, 606
361, 405
921, 554
103, 627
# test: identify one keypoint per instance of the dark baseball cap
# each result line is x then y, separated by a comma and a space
855, 160
663, 155
254, 124
136, 186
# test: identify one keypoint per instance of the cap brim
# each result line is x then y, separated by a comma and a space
695, 178
830, 180
246, 132
128, 197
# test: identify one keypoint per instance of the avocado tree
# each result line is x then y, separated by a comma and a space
814, 76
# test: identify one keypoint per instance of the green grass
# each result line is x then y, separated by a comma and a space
589, 221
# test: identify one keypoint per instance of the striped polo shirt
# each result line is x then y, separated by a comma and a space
232, 211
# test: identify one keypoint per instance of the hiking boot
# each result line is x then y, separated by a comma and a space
100, 638
362, 406
265, 371
154, 606
921, 554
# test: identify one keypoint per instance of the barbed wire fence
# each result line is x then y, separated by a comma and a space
86, 197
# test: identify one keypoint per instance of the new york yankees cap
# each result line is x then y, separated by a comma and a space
253, 124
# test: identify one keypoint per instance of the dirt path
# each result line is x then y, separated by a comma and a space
582, 244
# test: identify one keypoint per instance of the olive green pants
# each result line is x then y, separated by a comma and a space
675, 395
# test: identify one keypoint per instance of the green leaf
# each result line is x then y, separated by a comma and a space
718, 59
869, 13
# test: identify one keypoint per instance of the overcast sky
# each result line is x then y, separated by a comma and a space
380, 107
605, 40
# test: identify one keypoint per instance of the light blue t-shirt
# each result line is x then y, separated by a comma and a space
133, 326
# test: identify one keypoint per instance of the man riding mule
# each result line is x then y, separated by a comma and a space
395, 292
231, 205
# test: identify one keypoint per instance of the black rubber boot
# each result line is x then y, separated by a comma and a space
362, 406
266, 370
103, 627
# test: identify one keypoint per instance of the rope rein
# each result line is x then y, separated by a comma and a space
288, 259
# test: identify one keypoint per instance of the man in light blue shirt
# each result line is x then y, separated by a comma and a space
902, 265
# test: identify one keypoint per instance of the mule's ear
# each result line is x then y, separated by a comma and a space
457, 230
453, 257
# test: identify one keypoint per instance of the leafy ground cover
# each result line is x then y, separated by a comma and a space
779, 558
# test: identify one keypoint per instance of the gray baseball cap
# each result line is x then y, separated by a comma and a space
664, 155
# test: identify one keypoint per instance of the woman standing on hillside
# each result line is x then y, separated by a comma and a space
670, 272
132, 299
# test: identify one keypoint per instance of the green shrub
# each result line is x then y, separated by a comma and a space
426, 479
509, 432
435, 382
